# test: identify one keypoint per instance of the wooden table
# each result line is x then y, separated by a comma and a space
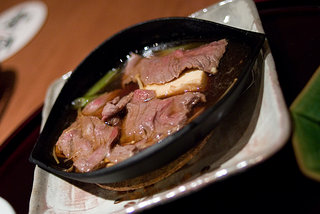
72, 30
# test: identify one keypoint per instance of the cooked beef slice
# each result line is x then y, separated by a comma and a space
95, 107
87, 142
150, 119
162, 69
114, 106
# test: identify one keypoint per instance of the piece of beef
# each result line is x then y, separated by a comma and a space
95, 107
130, 72
120, 153
162, 69
114, 106
150, 119
87, 142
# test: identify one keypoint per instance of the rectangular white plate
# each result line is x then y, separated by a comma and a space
239, 142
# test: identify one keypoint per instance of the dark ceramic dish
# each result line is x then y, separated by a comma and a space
243, 44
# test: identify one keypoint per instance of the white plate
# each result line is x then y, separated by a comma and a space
239, 142
18, 25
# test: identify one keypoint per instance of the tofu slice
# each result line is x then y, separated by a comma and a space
193, 80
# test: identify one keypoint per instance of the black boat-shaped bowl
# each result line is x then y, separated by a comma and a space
109, 54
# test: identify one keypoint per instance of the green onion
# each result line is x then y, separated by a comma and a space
97, 88
82, 101
102, 83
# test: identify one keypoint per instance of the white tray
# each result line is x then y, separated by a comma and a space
258, 129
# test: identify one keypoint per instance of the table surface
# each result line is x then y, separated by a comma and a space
74, 28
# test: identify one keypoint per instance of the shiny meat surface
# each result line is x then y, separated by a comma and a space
87, 142
162, 69
150, 119
113, 107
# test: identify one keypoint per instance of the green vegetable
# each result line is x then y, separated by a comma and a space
97, 88
305, 112
82, 101
102, 83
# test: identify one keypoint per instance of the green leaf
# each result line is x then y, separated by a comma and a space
308, 101
305, 111
306, 142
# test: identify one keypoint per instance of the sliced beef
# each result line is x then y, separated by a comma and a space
120, 153
150, 119
87, 142
95, 107
159, 70
130, 72
142, 118
114, 106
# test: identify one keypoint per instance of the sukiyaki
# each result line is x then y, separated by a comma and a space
152, 96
